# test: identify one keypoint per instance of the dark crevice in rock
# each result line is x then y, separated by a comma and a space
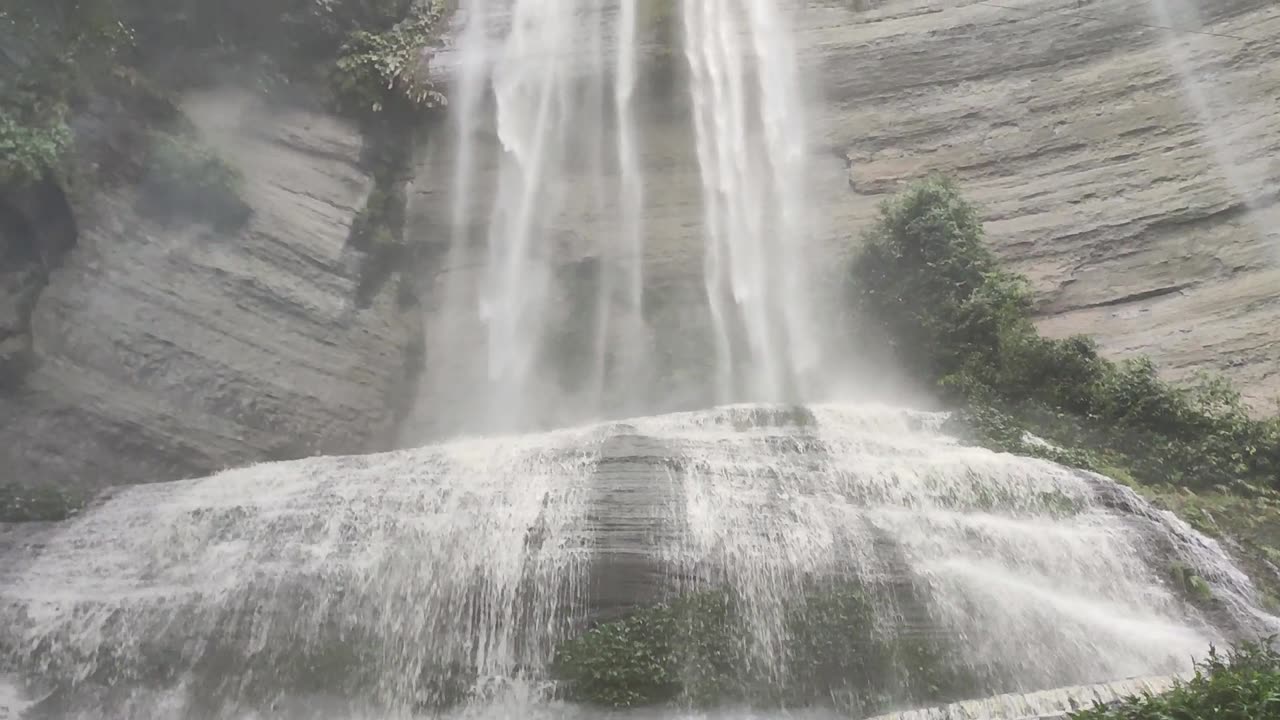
37, 229
1193, 217
404, 393
388, 254
1131, 297
378, 231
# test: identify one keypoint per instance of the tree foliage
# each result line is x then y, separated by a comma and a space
385, 72
926, 277
51, 49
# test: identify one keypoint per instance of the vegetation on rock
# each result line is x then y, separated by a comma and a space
384, 72
1247, 520
30, 148
183, 177
379, 78
957, 319
698, 651
962, 323
1243, 685
48, 53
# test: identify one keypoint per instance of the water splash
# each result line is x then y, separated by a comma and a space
381, 586
401, 580
1046, 575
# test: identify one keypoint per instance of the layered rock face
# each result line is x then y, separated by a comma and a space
1127, 168
163, 350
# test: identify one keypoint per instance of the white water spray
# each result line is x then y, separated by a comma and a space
380, 586
550, 313
750, 138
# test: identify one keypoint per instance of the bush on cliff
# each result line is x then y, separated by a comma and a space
183, 177
958, 320
1243, 685
48, 50
384, 72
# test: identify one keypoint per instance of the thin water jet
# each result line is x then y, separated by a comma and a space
1242, 171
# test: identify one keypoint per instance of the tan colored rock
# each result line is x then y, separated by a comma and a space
169, 350
1128, 169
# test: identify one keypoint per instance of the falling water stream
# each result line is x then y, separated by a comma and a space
548, 156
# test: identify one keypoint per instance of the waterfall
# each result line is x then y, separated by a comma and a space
546, 91
442, 581
544, 315
750, 141
385, 585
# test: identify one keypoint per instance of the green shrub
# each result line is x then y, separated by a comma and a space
383, 72
64, 47
926, 276
1244, 685
30, 152
643, 658
185, 178
927, 279
697, 651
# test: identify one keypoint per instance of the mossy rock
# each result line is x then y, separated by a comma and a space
1249, 527
32, 504
698, 651
184, 178
1190, 585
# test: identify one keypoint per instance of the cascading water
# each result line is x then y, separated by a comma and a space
543, 312
383, 586
553, 83
398, 580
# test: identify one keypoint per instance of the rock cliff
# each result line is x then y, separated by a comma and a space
1124, 153
158, 350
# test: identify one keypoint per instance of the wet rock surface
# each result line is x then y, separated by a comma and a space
168, 349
